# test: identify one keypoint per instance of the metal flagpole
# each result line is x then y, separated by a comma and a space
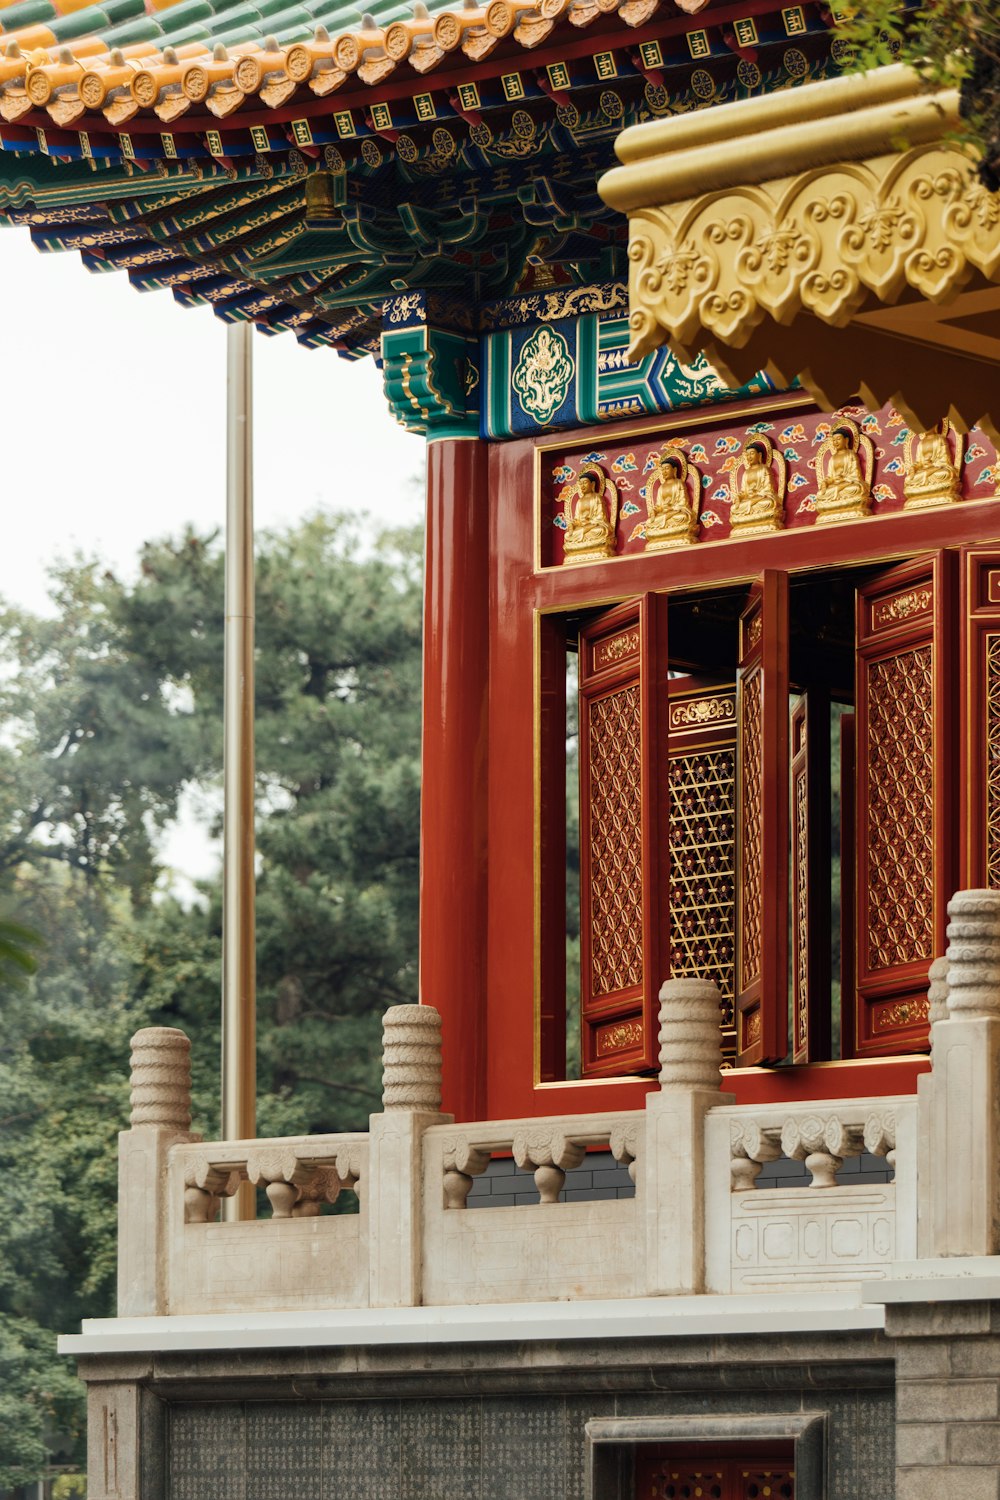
239, 976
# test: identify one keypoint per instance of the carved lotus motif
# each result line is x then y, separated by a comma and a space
676, 269
776, 248
880, 223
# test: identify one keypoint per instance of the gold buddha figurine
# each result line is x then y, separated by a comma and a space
759, 497
591, 522
844, 485
933, 467
671, 509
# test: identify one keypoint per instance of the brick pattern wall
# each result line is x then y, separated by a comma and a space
785, 1173
947, 1400
503, 1184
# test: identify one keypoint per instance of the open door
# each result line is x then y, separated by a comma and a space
624, 918
906, 851
762, 824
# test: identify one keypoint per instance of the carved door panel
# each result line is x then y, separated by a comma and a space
762, 824
623, 672
980, 718
810, 817
700, 835
905, 714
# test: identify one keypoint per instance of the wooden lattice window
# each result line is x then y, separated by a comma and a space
620, 680
714, 783
905, 863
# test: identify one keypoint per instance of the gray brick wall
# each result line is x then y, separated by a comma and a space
503, 1184
785, 1173
947, 1400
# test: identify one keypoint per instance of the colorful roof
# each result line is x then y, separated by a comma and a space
122, 59
299, 163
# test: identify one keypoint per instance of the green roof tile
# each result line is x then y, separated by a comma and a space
27, 13
141, 29
80, 23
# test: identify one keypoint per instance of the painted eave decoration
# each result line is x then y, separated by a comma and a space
301, 164
839, 211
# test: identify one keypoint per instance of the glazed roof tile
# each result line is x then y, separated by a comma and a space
119, 59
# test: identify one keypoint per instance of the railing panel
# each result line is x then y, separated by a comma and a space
298, 1257
822, 1235
536, 1251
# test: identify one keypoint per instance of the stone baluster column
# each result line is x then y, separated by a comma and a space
161, 1116
672, 1166
411, 1102
958, 1198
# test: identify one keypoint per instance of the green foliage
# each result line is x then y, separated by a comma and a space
16, 957
110, 710
68, 1486
951, 44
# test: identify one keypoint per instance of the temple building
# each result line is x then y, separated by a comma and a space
704, 338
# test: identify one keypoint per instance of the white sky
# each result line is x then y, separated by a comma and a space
114, 431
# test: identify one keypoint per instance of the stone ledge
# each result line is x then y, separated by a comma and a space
972, 1278
781, 1313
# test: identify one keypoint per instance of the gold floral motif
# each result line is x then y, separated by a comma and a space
902, 607
673, 494
719, 708
751, 1028
755, 630
619, 1036
933, 467
759, 495
902, 1013
616, 648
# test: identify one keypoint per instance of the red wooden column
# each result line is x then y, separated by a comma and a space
453, 813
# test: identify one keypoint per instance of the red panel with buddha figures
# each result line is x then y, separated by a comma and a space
714, 484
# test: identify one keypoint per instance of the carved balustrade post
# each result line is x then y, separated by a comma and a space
411, 1102
672, 1168
822, 1143
958, 1196
462, 1161
295, 1188
751, 1146
550, 1155
160, 1117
